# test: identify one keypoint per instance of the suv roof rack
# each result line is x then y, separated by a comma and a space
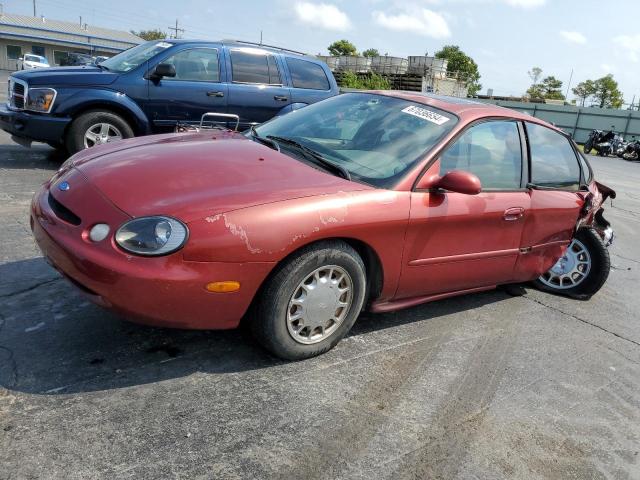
265, 45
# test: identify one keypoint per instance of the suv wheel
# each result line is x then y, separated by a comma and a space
96, 128
311, 302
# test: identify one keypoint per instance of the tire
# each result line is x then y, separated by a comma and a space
75, 138
594, 277
273, 320
587, 147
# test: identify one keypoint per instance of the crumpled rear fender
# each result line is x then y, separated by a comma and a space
591, 215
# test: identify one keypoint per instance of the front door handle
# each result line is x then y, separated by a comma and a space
215, 94
281, 98
512, 214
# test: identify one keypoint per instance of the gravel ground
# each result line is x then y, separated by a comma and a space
481, 386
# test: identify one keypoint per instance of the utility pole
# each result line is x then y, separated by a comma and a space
34, 8
260, 37
176, 30
569, 84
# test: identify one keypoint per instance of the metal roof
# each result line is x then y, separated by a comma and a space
42, 27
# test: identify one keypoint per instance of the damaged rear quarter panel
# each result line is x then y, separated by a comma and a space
270, 232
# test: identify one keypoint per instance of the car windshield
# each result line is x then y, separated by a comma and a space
132, 58
376, 138
35, 58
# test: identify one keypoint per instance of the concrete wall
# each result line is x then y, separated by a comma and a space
579, 121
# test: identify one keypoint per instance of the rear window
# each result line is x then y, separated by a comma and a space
553, 161
307, 74
254, 67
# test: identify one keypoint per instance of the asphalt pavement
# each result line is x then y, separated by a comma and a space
483, 386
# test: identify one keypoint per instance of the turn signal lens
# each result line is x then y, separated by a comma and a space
223, 287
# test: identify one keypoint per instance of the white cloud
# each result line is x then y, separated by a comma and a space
422, 22
574, 37
322, 15
526, 3
631, 43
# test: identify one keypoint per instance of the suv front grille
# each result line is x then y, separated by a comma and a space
63, 212
17, 93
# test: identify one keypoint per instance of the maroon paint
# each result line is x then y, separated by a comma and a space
247, 207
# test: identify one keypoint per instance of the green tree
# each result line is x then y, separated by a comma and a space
371, 52
462, 65
342, 47
550, 88
584, 90
535, 74
367, 81
606, 92
156, 34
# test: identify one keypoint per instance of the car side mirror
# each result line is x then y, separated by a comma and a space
164, 70
457, 181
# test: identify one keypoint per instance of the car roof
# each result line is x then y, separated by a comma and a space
243, 44
465, 108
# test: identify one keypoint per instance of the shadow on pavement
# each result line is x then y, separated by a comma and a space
52, 341
17, 157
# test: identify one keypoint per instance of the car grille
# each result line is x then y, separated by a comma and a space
17, 93
63, 212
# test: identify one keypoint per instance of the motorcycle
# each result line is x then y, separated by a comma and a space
603, 142
632, 151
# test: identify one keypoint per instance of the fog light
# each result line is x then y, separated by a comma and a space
223, 287
99, 232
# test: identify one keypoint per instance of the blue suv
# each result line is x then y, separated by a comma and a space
155, 86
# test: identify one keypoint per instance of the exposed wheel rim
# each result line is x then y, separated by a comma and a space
319, 304
101, 133
571, 269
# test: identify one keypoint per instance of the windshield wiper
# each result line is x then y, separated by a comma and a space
102, 67
318, 158
263, 140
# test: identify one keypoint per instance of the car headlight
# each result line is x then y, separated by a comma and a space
40, 99
152, 236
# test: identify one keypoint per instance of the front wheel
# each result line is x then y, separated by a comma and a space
311, 301
95, 128
582, 270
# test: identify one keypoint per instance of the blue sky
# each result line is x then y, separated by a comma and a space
505, 37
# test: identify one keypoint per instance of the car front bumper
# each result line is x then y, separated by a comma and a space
27, 126
161, 291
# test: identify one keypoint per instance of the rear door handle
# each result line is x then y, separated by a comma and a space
512, 214
215, 94
280, 98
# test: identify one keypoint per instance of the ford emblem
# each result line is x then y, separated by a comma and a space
64, 186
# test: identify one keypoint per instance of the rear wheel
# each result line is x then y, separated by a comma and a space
582, 270
95, 128
587, 147
311, 301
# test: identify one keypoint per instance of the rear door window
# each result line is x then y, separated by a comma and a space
307, 74
254, 67
553, 160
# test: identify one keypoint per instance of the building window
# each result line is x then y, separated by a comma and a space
58, 56
14, 52
37, 50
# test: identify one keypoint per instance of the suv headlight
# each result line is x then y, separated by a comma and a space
152, 236
40, 99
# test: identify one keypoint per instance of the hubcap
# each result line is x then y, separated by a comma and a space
101, 133
571, 269
319, 304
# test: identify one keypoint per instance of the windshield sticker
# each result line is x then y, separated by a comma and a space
163, 45
426, 114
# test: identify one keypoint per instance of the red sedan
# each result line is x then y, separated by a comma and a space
378, 200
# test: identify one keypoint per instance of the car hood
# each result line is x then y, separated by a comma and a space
194, 176
67, 76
